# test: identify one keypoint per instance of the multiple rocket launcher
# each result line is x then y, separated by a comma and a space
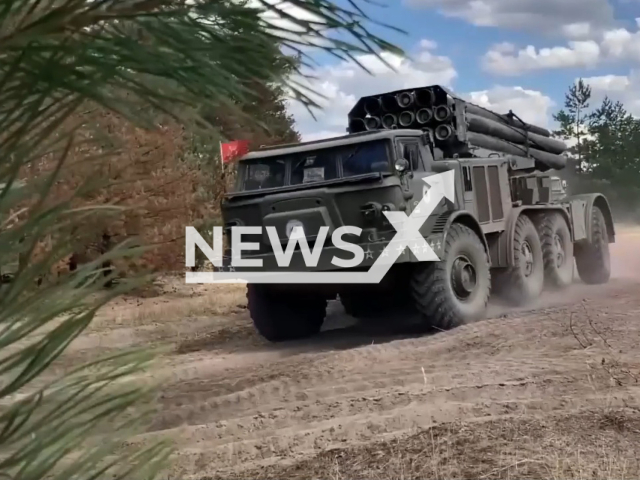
456, 126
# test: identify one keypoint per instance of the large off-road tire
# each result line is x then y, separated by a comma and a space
281, 316
455, 290
557, 249
524, 280
593, 258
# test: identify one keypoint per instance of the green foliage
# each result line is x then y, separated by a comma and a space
615, 150
133, 57
607, 147
574, 120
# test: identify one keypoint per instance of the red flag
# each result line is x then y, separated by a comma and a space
232, 150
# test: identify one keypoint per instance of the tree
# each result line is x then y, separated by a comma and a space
574, 122
134, 58
616, 145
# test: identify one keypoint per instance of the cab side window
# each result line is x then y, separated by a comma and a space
411, 152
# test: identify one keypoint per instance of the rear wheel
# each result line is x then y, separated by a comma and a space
280, 316
593, 259
524, 280
455, 290
557, 249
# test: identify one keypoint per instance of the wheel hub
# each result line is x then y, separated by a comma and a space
560, 255
463, 277
527, 258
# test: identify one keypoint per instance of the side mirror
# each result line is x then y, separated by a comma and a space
402, 166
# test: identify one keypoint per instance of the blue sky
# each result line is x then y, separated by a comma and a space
503, 54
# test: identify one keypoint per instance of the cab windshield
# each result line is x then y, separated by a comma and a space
315, 166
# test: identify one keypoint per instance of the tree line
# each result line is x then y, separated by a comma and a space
605, 149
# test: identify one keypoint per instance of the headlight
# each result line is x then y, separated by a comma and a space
402, 165
295, 229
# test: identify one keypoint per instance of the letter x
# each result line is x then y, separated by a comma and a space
408, 228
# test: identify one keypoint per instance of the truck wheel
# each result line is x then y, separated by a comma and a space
524, 280
592, 259
557, 249
455, 290
281, 316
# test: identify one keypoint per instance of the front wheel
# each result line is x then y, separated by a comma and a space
279, 316
593, 259
455, 290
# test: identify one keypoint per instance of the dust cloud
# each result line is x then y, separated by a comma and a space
625, 262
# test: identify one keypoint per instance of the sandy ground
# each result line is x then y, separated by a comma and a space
549, 391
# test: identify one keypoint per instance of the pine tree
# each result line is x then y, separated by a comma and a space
574, 123
59, 61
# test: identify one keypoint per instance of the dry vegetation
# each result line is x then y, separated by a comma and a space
173, 300
590, 444
154, 180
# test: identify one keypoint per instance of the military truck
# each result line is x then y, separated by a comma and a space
509, 231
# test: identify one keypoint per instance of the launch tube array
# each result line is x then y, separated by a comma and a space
430, 109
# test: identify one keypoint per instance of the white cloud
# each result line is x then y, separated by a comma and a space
618, 45
577, 30
530, 105
428, 44
623, 88
579, 54
621, 44
546, 16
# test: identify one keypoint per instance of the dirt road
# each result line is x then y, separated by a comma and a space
548, 391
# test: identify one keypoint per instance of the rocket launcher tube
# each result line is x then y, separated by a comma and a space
512, 134
544, 160
424, 115
406, 118
372, 123
389, 121
372, 106
505, 119
424, 97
